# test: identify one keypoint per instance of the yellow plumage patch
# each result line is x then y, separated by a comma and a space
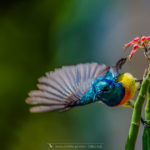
128, 82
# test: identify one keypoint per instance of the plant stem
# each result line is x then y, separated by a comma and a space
146, 133
136, 116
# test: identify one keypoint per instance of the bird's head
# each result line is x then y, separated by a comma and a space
105, 86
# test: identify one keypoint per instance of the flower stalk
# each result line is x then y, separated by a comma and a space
146, 133
136, 116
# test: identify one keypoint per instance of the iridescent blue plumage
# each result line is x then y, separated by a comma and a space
104, 89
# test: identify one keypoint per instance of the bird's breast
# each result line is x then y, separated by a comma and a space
128, 81
113, 96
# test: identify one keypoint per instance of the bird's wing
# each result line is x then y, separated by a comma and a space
63, 86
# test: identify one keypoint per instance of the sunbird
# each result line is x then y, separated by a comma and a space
82, 84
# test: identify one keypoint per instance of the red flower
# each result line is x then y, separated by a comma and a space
142, 43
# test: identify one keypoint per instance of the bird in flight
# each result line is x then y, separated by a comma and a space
82, 84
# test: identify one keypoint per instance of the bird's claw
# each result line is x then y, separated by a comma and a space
144, 122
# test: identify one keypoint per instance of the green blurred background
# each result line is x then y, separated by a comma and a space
37, 36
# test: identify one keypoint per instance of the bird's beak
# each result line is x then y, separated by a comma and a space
99, 92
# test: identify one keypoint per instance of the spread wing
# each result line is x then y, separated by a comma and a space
63, 86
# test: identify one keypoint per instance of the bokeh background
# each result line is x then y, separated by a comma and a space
37, 36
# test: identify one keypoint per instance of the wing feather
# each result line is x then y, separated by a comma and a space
37, 109
63, 86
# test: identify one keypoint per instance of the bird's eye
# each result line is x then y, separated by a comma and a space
106, 88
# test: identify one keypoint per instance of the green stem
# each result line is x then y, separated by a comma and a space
136, 116
146, 133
